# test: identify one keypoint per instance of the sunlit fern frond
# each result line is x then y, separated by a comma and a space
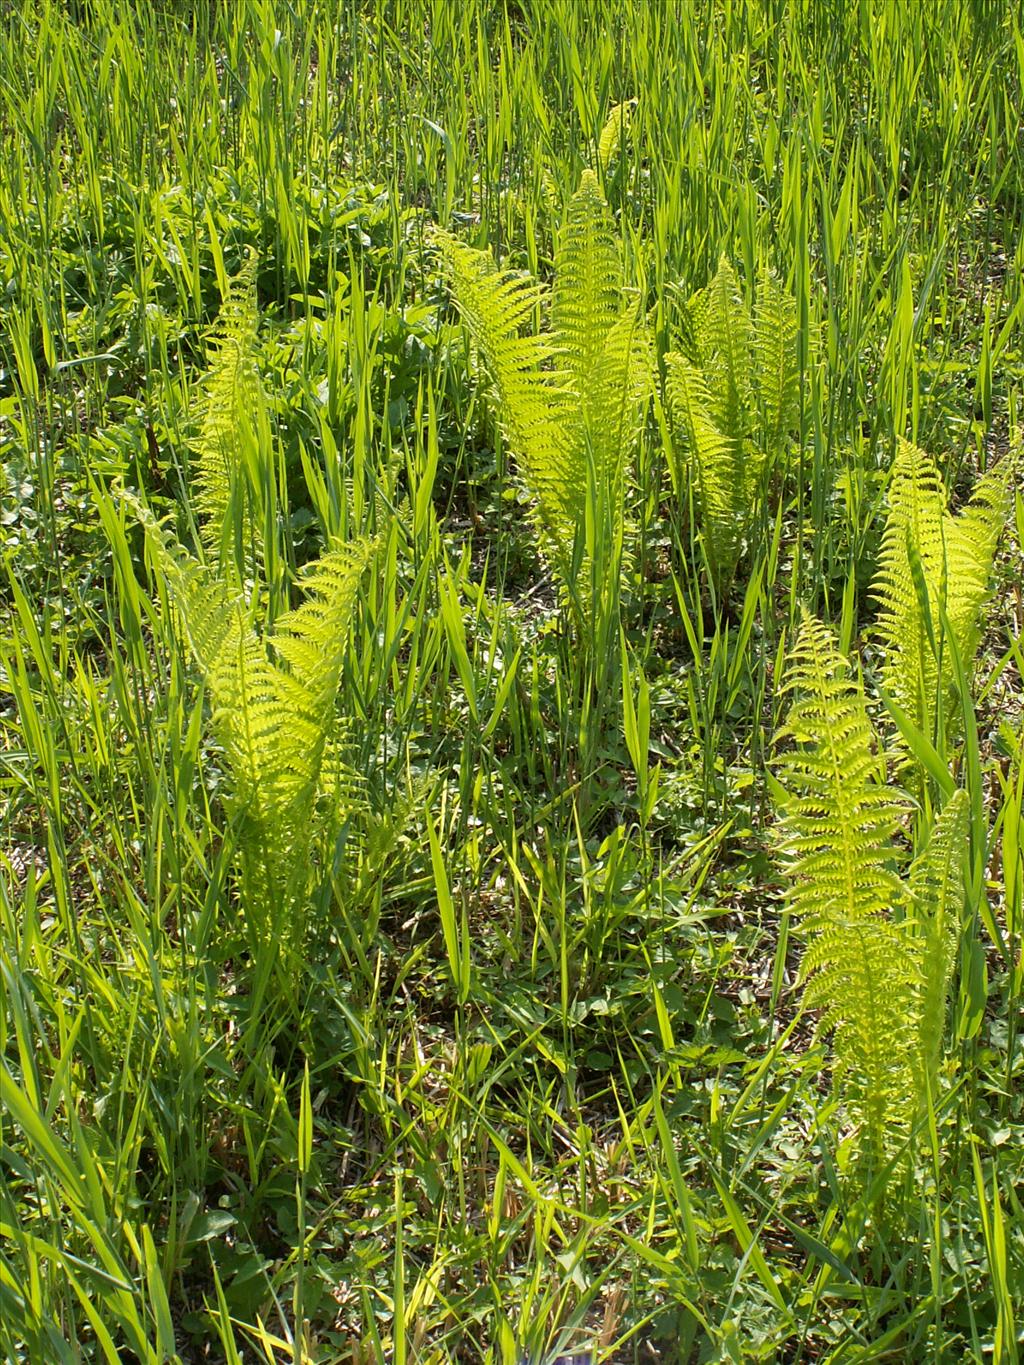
861, 975
536, 404
972, 539
571, 401
229, 407
936, 901
209, 611
294, 721
272, 712
733, 395
717, 461
619, 388
724, 333
775, 352
913, 545
613, 135
587, 296
932, 563
839, 824
841, 815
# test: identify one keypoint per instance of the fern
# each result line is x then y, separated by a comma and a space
272, 703
571, 401
612, 137
879, 948
936, 896
232, 434
933, 575
733, 394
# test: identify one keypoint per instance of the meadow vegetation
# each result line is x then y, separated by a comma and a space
511, 704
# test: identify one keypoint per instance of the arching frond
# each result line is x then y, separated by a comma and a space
933, 563
724, 334
571, 401
536, 402
612, 137
587, 296
272, 712
775, 354
717, 461
733, 395
880, 946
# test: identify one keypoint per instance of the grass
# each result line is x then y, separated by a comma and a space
540, 1080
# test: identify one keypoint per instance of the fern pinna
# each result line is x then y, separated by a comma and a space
933, 582
879, 945
572, 400
272, 712
733, 396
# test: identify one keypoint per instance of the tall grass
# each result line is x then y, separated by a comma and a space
542, 1081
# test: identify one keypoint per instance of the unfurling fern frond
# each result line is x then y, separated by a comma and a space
879, 947
232, 433
733, 394
272, 702
571, 401
933, 576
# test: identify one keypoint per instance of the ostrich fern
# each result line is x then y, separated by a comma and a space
230, 444
611, 140
879, 945
933, 582
272, 712
733, 395
571, 401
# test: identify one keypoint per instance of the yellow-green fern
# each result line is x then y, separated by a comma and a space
933, 577
733, 394
879, 946
612, 137
571, 401
232, 437
272, 712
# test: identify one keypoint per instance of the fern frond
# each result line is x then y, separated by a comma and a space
717, 462
860, 974
841, 816
229, 403
619, 387
932, 563
272, 702
724, 334
880, 948
909, 612
209, 611
838, 828
536, 401
299, 700
571, 402
733, 392
971, 542
587, 297
775, 354
936, 899
612, 137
